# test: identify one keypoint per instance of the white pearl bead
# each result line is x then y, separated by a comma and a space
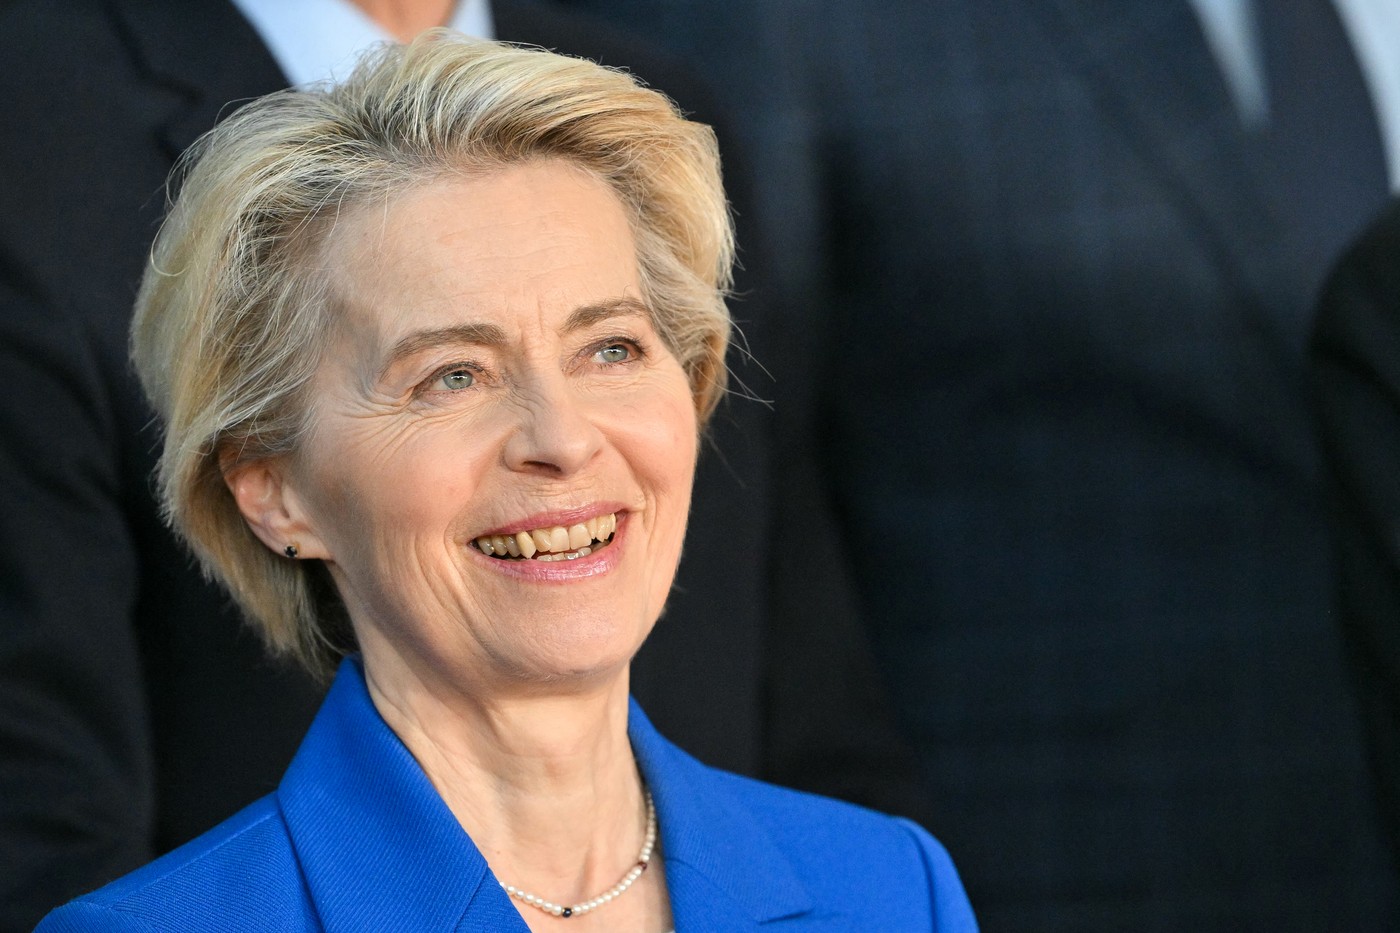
643, 857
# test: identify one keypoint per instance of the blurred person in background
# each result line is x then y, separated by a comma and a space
1356, 372
1058, 259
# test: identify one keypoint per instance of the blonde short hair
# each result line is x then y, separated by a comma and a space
234, 310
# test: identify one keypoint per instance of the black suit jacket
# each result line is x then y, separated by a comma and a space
1356, 373
1063, 297
135, 709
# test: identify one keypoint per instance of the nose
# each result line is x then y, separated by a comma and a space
555, 435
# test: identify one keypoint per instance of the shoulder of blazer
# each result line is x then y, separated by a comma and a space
740, 853
240, 875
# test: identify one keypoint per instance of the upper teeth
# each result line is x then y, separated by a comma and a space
550, 543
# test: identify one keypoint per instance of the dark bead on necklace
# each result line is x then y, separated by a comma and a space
568, 912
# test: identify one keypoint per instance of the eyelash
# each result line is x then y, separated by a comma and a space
430, 384
636, 349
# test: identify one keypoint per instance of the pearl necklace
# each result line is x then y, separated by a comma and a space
559, 910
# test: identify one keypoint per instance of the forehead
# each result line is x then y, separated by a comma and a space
518, 247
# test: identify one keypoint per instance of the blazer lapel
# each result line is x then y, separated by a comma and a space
208, 57
722, 872
379, 848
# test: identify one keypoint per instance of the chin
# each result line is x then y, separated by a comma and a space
580, 654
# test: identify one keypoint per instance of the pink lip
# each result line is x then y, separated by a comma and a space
565, 517
561, 571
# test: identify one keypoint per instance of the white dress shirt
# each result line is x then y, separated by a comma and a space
1374, 29
320, 40
1234, 41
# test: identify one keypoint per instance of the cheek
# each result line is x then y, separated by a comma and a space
664, 440
667, 451
671, 445
378, 497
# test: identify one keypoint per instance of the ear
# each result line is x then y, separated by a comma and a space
267, 498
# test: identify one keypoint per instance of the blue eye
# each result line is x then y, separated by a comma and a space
457, 379
615, 353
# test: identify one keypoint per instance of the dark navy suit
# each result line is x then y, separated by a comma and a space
1063, 297
356, 838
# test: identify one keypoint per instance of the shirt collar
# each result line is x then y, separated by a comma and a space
321, 40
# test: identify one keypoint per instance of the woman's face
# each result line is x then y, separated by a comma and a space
497, 385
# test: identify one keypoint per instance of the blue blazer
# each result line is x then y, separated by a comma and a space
356, 838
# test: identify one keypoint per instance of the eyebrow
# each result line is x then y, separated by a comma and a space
491, 335
484, 335
588, 315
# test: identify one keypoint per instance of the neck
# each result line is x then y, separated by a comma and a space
544, 783
405, 19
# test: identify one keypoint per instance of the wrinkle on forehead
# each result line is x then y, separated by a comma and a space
418, 265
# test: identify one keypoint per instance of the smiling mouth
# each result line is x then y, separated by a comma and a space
559, 542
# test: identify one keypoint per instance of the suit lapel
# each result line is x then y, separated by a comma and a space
1188, 135
208, 57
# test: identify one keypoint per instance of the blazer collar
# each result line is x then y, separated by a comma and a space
207, 56
380, 849
723, 872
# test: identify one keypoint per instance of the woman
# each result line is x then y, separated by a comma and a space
433, 350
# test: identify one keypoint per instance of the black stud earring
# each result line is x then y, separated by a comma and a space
291, 551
